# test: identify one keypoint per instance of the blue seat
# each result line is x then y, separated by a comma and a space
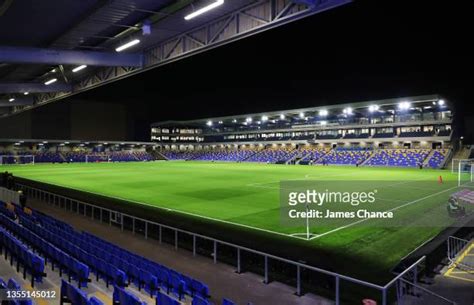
149, 281
73, 295
3, 285
163, 299
123, 297
12, 284
178, 285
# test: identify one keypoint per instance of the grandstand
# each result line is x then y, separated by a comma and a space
391, 132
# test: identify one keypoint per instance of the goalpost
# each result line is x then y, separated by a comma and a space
98, 158
17, 159
464, 169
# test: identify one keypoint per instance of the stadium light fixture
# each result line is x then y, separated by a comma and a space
204, 9
127, 45
79, 68
221, 122
11, 100
51, 81
234, 121
323, 123
209, 123
404, 106
26, 93
282, 116
302, 115
264, 118
373, 108
347, 110
441, 102
323, 112
248, 120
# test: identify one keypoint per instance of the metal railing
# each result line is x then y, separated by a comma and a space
456, 246
144, 226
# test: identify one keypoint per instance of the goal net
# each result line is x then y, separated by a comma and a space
465, 171
17, 159
98, 158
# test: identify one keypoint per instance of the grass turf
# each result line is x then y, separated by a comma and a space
247, 194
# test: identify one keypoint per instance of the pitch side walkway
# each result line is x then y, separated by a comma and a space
221, 278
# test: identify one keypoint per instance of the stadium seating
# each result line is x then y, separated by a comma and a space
47, 157
180, 155
345, 156
225, 155
107, 261
13, 285
57, 257
23, 256
274, 155
163, 299
310, 155
73, 295
123, 297
437, 158
398, 157
113, 156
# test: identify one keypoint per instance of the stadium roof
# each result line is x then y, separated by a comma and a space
61, 48
391, 103
22, 142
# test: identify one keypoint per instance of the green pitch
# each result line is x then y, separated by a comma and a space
247, 195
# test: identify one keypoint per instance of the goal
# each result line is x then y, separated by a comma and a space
98, 158
17, 159
464, 169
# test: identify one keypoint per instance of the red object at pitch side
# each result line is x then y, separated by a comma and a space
440, 180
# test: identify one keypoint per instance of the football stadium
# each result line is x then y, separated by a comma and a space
115, 191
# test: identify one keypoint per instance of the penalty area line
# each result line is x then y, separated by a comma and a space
390, 210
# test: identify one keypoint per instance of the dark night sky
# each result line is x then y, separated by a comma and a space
364, 50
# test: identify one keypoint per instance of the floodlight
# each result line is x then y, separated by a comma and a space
264, 118
373, 108
323, 112
26, 93
79, 68
404, 106
209, 123
204, 9
347, 110
11, 100
49, 82
248, 120
441, 102
127, 45
302, 115
282, 116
